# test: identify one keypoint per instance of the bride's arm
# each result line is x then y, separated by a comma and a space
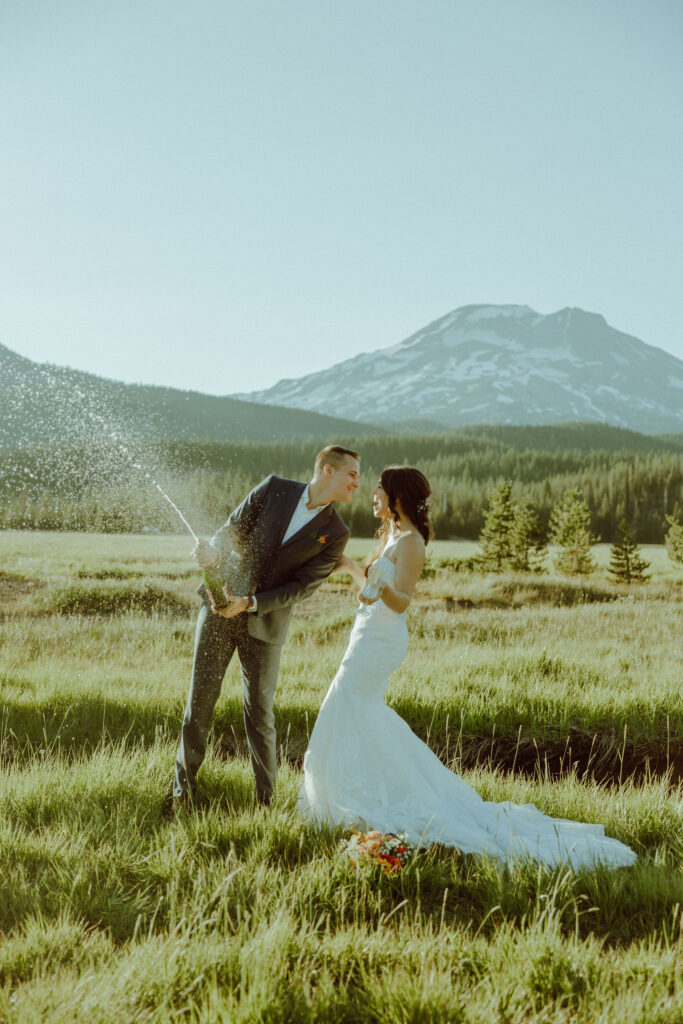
410, 556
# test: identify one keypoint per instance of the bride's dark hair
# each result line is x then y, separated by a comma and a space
411, 487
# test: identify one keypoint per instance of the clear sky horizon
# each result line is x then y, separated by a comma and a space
218, 195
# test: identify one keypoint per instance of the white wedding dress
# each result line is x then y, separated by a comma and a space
365, 767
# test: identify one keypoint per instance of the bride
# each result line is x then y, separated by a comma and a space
365, 767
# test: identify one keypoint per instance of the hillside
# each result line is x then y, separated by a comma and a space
41, 403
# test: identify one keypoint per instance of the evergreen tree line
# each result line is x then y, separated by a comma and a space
108, 488
512, 539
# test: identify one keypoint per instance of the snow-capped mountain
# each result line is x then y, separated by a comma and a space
500, 364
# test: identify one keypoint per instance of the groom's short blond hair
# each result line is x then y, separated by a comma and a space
333, 455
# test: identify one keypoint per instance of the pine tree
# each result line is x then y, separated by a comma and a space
674, 540
511, 538
626, 563
527, 540
570, 530
496, 535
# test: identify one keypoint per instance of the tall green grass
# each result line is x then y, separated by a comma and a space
594, 684
110, 912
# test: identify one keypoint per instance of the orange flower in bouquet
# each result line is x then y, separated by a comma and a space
390, 851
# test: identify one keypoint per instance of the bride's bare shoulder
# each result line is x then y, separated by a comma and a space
411, 545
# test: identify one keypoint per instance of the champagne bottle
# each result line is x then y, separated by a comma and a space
216, 588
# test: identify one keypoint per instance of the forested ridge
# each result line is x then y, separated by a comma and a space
621, 474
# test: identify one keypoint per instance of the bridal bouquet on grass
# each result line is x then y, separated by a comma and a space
390, 851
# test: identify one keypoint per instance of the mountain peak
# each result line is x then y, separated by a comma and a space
577, 314
491, 312
489, 363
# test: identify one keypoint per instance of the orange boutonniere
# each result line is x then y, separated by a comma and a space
323, 539
320, 537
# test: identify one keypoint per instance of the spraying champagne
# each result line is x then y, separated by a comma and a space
175, 507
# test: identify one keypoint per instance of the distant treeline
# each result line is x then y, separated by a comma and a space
105, 488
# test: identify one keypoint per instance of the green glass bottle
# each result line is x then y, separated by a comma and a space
215, 586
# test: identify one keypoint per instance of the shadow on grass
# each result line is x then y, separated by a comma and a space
529, 744
119, 890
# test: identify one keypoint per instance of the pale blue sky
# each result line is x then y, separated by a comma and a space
215, 195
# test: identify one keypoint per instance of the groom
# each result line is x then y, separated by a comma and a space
287, 538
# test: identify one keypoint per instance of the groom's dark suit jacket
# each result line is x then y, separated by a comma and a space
277, 574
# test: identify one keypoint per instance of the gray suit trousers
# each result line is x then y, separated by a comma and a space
216, 640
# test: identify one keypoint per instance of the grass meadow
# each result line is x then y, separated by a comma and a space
536, 688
